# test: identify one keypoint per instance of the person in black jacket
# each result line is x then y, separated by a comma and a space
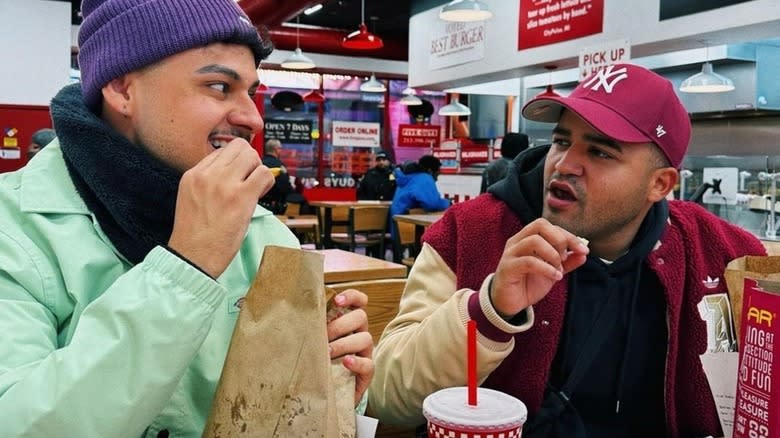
379, 182
512, 144
276, 199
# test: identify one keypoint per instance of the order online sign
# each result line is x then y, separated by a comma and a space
545, 22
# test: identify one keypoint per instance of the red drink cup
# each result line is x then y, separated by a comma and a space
496, 415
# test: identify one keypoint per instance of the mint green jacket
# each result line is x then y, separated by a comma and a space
92, 346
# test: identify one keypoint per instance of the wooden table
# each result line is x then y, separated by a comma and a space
327, 215
342, 266
419, 220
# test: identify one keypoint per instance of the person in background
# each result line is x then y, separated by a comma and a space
39, 140
512, 144
598, 339
379, 182
129, 240
272, 152
282, 191
417, 187
276, 199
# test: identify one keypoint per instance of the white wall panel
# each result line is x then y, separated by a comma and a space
35, 45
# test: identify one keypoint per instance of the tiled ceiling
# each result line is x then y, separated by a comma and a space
386, 18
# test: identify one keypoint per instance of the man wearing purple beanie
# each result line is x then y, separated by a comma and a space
128, 242
587, 286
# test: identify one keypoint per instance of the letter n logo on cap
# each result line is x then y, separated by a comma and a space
607, 78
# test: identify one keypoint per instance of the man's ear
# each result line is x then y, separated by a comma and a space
116, 96
662, 182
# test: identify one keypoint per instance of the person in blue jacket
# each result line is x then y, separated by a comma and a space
416, 186
128, 242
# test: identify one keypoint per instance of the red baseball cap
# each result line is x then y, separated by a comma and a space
625, 102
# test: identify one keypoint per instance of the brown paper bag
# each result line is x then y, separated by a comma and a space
343, 379
757, 267
277, 379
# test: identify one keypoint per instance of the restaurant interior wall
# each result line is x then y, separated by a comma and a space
635, 20
757, 95
746, 212
35, 43
488, 116
342, 166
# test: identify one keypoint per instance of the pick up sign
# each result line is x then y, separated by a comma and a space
595, 58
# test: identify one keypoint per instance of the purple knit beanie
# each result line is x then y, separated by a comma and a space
121, 36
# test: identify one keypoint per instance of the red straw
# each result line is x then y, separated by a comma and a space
471, 347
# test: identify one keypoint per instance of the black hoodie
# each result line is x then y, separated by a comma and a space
622, 392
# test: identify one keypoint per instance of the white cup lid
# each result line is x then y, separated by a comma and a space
494, 408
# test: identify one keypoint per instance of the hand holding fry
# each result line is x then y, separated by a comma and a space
533, 260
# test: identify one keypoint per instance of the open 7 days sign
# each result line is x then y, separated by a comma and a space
288, 131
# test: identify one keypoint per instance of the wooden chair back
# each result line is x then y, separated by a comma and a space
307, 237
337, 214
383, 298
405, 239
406, 230
366, 227
293, 209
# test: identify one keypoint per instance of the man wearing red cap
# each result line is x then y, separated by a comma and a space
599, 339
128, 243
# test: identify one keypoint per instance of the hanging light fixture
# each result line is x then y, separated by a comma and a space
372, 85
313, 96
548, 92
465, 10
454, 108
410, 98
362, 39
707, 81
298, 61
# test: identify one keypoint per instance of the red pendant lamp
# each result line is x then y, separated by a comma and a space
313, 96
548, 92
362, 39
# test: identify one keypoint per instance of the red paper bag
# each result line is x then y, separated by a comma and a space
758, 383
